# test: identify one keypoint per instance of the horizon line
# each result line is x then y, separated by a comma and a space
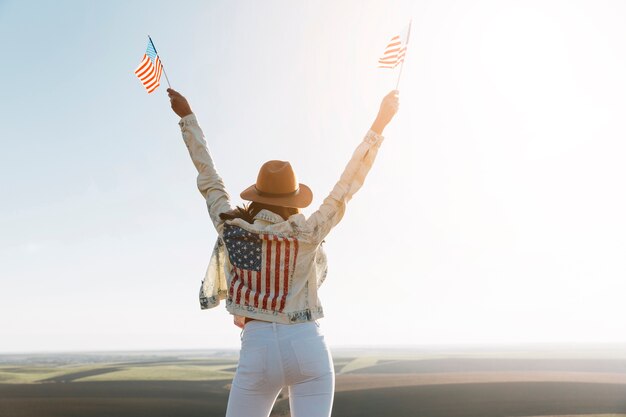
457, 346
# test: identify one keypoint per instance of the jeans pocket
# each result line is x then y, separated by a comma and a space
251, 371
313, 356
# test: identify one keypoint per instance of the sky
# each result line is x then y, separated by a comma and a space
494, 213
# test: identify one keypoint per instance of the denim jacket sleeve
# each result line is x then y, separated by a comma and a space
332, 209
210, 184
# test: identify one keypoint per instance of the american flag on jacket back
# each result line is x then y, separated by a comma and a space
262, 266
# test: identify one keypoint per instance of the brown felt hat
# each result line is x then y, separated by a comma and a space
277, 185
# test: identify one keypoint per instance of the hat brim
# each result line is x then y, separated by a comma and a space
301, 199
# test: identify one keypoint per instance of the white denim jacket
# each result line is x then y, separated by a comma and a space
271, 269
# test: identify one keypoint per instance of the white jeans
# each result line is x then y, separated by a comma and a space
275, 355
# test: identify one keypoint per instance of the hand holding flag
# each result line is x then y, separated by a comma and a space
388, 108
180, 105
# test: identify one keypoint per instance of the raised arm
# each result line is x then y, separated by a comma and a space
210, 184
332, 209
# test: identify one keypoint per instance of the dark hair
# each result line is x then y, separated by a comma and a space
248, 211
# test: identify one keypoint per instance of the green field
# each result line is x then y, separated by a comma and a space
115, 372
200, 369
369, 382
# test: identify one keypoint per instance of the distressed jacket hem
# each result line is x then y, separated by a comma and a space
287, 317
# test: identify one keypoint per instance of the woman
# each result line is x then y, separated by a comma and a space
268, 263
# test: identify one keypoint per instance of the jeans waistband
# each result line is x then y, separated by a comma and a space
261, 324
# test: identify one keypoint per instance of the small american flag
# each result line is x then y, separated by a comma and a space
395, 51
263, 264
150, 69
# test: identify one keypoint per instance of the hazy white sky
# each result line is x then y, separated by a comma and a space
493, 214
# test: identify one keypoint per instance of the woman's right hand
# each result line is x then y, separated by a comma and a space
388, 109
179, 103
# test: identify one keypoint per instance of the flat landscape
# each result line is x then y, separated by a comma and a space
370, 382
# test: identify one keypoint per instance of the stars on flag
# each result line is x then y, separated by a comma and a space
244, 248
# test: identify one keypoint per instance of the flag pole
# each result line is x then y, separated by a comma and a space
408, 34
164, 73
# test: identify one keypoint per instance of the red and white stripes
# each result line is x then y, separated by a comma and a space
394, 53
149, 73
